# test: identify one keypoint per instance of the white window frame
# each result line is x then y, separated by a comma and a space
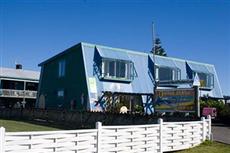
105, 67
207, 77
176, 73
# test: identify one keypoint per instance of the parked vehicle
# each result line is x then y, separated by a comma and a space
209, 111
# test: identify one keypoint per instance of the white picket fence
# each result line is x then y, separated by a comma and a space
161, 137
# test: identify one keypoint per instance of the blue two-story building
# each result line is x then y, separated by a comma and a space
94, 77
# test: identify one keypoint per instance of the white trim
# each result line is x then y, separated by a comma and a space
2, 139
22, 80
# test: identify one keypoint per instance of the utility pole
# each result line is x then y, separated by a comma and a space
154, 61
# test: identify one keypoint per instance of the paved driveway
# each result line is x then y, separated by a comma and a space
221, 133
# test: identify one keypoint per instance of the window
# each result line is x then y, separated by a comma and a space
10, 84
206, 80
32, 86
117, 70
60, 93
167, 74
121, 70
111, 69
61, 68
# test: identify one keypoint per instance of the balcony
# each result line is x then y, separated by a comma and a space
18, 93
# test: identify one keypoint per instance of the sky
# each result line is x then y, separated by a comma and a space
198, 30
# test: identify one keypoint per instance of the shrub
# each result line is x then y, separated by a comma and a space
224, 114
223, 111
138, 108
219, 105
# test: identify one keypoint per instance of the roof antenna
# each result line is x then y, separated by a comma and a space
153, 38
154, 65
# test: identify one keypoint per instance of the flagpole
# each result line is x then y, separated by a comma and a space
154, 60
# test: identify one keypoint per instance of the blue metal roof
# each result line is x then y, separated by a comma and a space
160, 61
112, 54
172, 63
142, 83
197, 67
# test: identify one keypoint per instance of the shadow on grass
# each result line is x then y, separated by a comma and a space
52, 124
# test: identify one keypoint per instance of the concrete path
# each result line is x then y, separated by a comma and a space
221, 133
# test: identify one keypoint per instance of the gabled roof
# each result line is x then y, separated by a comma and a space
19, 74
104, 49
143, 83
59, 54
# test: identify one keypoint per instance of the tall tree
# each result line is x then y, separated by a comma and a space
158, 50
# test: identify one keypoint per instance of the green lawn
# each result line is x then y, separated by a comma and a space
209, 147
17, 126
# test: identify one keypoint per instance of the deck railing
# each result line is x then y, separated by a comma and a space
18, 93
154, 138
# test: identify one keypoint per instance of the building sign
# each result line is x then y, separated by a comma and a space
172, 100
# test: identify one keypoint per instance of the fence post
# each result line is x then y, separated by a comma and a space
204, 128
99, 129
160, 122
209, 127
2, 139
